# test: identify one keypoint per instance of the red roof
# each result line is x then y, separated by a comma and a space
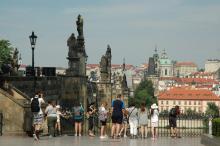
191, 80
196, 81
202, 73
127, 66
92, 65
191, 64
183, 93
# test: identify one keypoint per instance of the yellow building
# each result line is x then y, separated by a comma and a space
187, 98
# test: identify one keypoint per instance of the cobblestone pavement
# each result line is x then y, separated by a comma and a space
95, 141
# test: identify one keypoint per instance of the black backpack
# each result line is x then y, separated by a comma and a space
173, 112
35, 107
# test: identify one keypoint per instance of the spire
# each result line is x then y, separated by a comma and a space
164, 54
155, 50
20, 59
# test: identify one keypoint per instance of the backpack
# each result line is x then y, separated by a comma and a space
35, 107
173, 112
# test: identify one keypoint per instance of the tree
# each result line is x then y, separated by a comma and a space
5, 53
145, 93
212, 110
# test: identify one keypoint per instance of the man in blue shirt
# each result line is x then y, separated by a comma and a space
117, 115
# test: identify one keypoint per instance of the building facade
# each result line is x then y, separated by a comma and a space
212, 65
182, 69
187, 98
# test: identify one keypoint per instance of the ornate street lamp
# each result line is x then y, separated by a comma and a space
33, 39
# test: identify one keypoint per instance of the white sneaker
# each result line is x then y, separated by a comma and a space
102, 137
35, 137
125, 136
75, 134
80, 135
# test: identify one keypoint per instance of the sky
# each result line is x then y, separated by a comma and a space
189, 30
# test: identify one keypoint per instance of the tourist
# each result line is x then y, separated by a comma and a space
103, 115
174, 112
117, 116
133, 119
124, 125
143, 120
90, 115
38, 115
58, 124
78, 118
154, 120
51, 113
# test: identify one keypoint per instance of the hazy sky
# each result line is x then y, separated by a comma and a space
189, 30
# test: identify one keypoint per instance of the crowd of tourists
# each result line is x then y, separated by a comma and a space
135, 119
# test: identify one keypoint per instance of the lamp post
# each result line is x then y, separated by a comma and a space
33, 39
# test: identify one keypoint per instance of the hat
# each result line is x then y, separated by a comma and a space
58, 106
154, 106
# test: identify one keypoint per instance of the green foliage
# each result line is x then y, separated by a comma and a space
189, 111
216, 127
5, 52
212, 110
145, 93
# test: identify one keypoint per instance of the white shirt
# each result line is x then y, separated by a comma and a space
154, 117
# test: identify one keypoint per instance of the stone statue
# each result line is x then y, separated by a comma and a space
108, 53
104, 64
79, 24
71, 41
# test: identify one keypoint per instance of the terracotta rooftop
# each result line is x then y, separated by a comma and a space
202, 73
191, 80
196, 80
127, 66
184, 93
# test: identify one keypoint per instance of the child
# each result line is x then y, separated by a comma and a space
154, 120
124, 125
103, 119
59, 114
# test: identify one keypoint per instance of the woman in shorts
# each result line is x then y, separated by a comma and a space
154, 120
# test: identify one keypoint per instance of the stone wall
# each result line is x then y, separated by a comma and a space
13, 114
50, 86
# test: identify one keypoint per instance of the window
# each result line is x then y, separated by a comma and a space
165, 72
179, 102
194, 102
185, 103
189, 102
167, 102
174, 102
161, 102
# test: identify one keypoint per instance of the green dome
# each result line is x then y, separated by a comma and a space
165, 62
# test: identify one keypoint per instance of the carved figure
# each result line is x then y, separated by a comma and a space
104, 64
79, 24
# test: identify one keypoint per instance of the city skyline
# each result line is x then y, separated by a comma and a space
188, 30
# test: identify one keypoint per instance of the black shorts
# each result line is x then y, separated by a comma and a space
78, 120
117, 119
103, 123
172, 122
